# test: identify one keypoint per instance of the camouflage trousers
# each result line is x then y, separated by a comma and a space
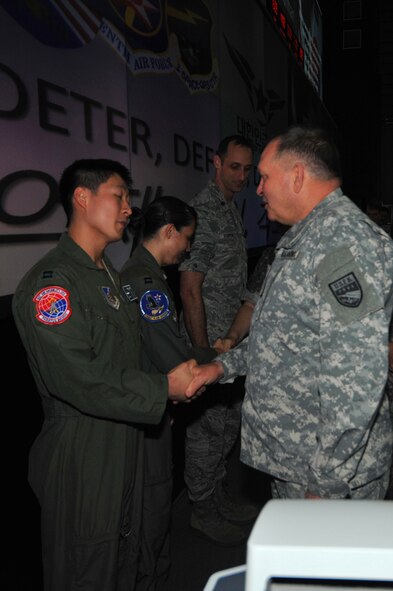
210, 436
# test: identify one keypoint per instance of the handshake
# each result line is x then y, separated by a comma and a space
188, 380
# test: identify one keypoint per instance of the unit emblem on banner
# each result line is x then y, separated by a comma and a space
150, 36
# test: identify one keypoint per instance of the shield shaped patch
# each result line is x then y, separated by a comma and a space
347, 290
110, 297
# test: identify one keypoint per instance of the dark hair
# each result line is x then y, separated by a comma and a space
238, 140
162, 211
89, 173
315, 146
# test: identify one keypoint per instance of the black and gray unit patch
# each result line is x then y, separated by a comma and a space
347, 290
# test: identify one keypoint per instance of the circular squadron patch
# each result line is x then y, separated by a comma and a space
52, 305
154, 305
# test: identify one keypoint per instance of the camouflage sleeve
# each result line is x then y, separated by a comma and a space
353, 370
234, 362
203, 245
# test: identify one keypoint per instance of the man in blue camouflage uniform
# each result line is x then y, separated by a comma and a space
212, 282
316, 414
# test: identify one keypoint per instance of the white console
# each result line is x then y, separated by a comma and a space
321, 540
308, 545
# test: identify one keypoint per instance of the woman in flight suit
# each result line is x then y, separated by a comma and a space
167, 227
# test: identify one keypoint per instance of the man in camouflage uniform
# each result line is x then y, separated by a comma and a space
212, 282
316, 414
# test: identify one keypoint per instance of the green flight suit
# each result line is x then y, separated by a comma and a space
163, 348
81, 334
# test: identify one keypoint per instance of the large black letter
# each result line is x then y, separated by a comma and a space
44, 105
196, 155
21, 105
178, 138
111, 128
14, 177
88, 105
143, 135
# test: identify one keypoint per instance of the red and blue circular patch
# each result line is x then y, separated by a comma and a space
52, 305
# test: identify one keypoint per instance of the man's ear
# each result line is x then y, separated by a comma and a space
298, 177
80, 196
217, 161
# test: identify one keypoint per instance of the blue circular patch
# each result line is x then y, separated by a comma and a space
154, 305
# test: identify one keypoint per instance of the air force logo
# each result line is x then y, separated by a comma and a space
347, 290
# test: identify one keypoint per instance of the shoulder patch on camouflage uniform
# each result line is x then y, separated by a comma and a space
347, 290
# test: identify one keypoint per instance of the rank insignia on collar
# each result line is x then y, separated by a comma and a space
129, 292
110, 297
52, 305
347, 290
154, 305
